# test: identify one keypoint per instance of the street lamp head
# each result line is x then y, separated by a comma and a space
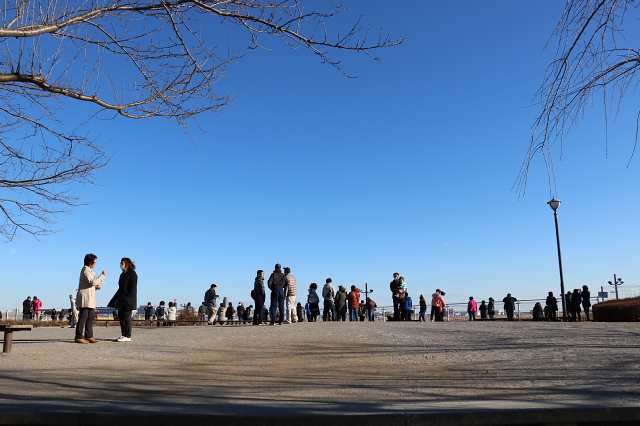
554, 204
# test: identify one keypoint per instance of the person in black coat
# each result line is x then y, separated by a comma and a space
509, 305
576, 301
552, 307
126, 298
586, 300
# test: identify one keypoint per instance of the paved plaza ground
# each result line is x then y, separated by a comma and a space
390, 370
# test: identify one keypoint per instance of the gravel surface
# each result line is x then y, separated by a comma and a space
330, 368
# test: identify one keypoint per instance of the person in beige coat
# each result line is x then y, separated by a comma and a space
86, 299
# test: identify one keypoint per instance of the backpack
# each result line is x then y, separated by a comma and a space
161, 311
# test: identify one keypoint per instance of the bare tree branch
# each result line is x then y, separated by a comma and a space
136, 58
589, 61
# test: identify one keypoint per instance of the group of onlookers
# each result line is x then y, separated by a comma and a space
32, 309
572, 301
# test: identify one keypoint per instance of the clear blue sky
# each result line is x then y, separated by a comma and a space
407, 168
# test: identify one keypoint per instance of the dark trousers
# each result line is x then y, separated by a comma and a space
258, 316
277, 301
84, 327
509, 313
329, 306
396, 309
125, 322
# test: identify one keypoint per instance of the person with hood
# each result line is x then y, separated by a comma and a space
552, 307
329, 294
472, 308
259, 296
278, 284
221, 314
354, 303
126, 298
340, 302
408, 307
313, 300
586, 300
576, 301
509, 305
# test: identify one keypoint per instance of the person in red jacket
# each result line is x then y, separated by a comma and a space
354, 303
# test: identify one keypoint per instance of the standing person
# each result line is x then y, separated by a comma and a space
552, 307
372, 309
277, 284
354, 303
230, 312
329, 294
394, 286
402, 302
314, 303
491, 308
240, 311
423, 309
362, 311
483, 310
259, 296
148, 311
340, 302
586, 300
210, 297
291, 293
434, 304
472, 308
576, 301
37, 308
27, 309
86, 299
567, 306
408, 307
126, 298
440, 306
172, 314
509, 305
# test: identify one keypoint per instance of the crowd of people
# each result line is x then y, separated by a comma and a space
283, 308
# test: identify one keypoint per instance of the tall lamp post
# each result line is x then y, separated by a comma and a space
367, 291
554, 204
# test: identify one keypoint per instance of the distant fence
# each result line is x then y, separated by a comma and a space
454, 312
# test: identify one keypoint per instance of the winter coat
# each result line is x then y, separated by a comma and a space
552, 304
86, 297
586, 298
277, 280
292, 288
472, 306
126, 298
171, 313
354, 299
328, 292
341, 300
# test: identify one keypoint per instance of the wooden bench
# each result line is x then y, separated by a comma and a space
8, 334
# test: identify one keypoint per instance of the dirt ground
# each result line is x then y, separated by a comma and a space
308, 368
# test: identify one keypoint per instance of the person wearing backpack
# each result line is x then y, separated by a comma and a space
161, 312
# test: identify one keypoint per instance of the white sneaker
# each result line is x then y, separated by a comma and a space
124, 339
